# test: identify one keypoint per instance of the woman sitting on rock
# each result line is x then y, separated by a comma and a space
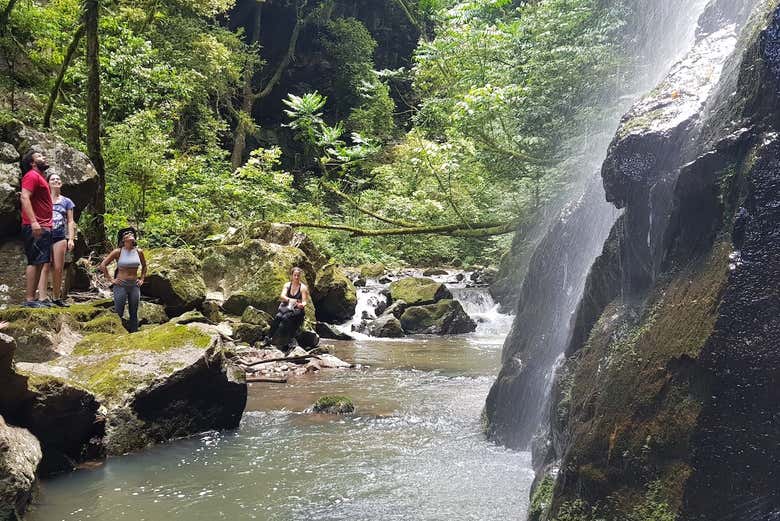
125, 283
294, 297
63, 232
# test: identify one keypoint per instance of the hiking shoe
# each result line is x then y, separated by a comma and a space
60, 303
48, 303
33, 304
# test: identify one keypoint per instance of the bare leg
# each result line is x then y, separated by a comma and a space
33, 275
58, 262
43, 283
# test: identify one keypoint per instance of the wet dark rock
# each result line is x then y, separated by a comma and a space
434, 272
385, 280
20, 454
396, 309
307, 339
325, 330
445, 317
672, 368
360, 282
386, 326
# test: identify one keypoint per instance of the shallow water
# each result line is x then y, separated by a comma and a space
413, 451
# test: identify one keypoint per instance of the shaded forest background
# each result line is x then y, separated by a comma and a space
400, 131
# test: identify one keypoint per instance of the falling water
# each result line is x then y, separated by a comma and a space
664, 30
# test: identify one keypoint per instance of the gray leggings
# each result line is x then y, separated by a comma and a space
127, 290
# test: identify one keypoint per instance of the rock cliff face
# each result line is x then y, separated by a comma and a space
667, 404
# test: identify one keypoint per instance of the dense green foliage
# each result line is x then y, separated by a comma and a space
501, 90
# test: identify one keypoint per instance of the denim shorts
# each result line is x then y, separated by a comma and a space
38, 251
57, 234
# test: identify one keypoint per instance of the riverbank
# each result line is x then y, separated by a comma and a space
414, 448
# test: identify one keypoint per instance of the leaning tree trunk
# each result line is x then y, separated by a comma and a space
55, 91
91, 18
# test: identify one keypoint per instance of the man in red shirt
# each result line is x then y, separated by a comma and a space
36, 221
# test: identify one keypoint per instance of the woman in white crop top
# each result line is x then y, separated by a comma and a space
126, 284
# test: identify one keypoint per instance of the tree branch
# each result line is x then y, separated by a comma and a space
6, 14
452, 230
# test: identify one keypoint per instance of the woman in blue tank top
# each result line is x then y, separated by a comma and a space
126, 284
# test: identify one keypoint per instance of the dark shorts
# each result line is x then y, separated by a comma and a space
57, 235
38, 250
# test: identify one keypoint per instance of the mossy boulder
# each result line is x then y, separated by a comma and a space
386, 326
249, 333
252, 273
256, 316
418, 291
372, 271
20, 454
334, 295
334, 405
445, 317
43, 334
151, 313
161, 383
174, 278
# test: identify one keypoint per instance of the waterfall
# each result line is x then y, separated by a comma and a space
555, 281
476, 301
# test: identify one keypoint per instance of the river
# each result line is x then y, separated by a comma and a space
414, 449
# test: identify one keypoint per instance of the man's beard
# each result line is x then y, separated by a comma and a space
41, 166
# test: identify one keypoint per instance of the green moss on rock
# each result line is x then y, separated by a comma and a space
445, 317
334, 295
417, 291
174, 277
334, 404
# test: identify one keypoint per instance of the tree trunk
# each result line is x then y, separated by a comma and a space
248, 97
6, 14
91, 19
55, 92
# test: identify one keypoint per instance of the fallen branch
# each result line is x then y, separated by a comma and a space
453, 230
293, 359
258, 379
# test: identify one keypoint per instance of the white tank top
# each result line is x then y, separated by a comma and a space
128, 259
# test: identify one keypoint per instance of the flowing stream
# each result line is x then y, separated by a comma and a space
414, 449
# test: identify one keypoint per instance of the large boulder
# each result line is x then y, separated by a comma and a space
12, 265
174, 278
47, 333
20, 454
14, 387
386, 326
63, 416
418, 291
334, 295
445, 317
79, 177
10, 179
253, 273
325, 330
161, 383
372, 271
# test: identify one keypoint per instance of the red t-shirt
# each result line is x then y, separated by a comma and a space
40, 198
